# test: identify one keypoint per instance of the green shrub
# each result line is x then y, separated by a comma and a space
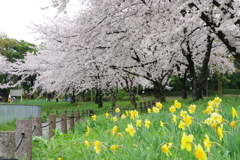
127, 98
88, 99
231, 91
122, 94
11, 126
106, 99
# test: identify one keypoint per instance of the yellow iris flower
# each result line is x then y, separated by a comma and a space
233, 124
94, 117
165, 149
147, 123
155, 109
172, 109
182, 125
114, 119
183, 114
159, 105
161, 124
119, 135
117, 110
192, 109
87, 143
234, 112
207, 143
114, 130
97, 147
188, 120
114, 147
177, 104
149, 110
217, 100
123, 116
139, 123
220, 132
199, 153
130, 129
186, 142
174, 118
106, 114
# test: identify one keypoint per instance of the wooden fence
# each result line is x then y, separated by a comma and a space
16, 144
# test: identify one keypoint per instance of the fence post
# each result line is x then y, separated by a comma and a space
36, 126
71, 121
52, 126
141, 107
145, 105
8, 145
91, 112
88, 112
24, 139
149, 104
119, 114
153, 103
78, 116
64, 123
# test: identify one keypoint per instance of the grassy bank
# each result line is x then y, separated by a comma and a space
154, 135
63, 106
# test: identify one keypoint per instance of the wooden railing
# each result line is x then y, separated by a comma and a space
16, 144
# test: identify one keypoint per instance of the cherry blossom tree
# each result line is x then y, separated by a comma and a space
221, 16
110, 40
4, 64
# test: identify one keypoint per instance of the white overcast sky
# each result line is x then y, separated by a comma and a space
16, 16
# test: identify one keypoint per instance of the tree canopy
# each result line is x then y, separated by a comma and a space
146, 39
11, 50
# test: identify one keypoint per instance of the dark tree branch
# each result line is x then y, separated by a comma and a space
221, 36
144, 2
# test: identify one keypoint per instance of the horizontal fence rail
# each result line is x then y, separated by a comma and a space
16, 144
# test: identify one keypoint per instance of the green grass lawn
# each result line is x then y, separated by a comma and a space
63, 106
123, 139
102, 142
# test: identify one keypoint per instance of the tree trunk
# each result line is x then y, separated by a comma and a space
131, 90
99, 98
196, 90
92, 97
65, 96
73, 96
220, 83
32, 78
159, 91
196, 86
183, 80
113, 95
132, 95
82, 96
4, 93
184, 87
204, 70
96, 98
197, 81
